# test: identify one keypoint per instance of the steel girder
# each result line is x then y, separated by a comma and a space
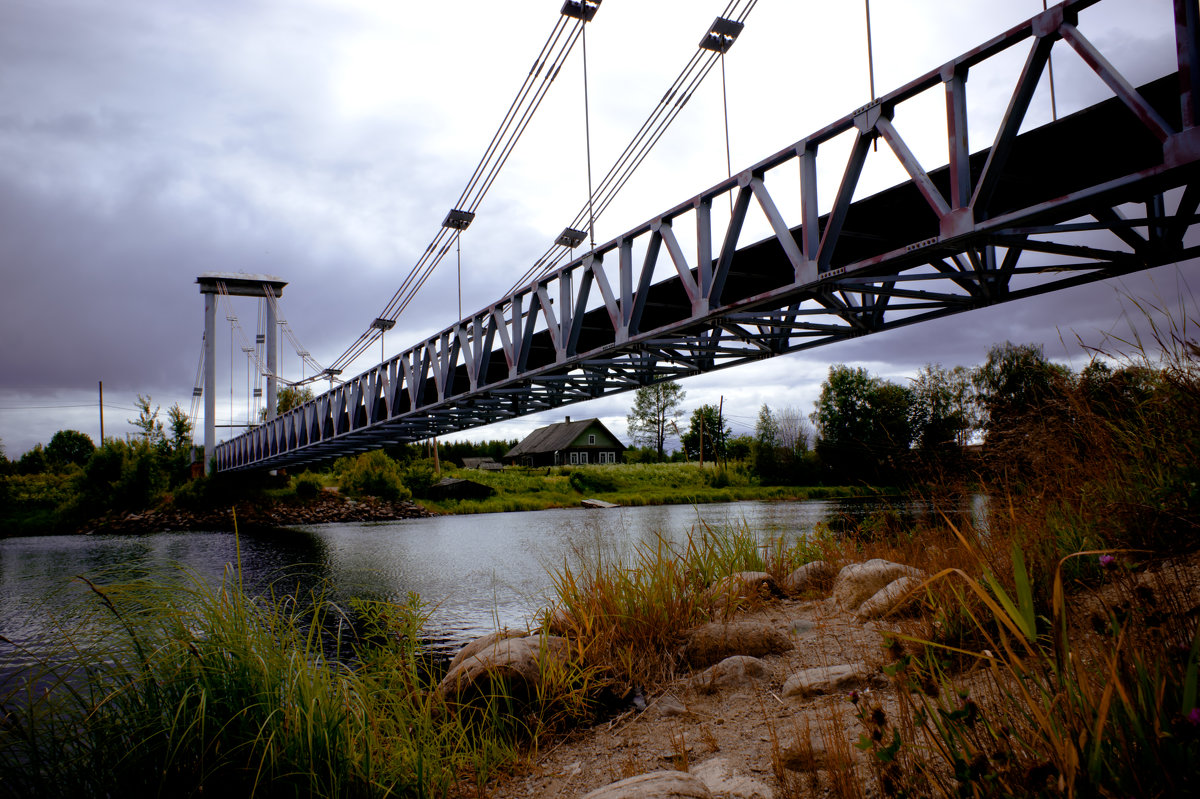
1107, 191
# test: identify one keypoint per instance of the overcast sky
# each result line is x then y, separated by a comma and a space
323, 141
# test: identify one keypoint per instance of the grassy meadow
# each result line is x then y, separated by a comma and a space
522, 489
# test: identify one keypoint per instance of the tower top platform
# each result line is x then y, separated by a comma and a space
240, 284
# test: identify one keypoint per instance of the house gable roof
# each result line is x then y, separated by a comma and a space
555, 437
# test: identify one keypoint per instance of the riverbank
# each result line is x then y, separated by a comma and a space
711, 662
845, 704
53, 504
262, 513
283, 509
630, 485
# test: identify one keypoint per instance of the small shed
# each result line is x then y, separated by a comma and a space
456, 488
487, 464
567, 443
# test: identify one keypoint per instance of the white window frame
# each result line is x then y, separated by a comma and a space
591, 438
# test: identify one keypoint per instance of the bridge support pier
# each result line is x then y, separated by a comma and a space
210, 379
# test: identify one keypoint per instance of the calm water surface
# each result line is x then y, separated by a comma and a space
477, 571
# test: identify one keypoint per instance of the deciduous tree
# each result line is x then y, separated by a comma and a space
289, 397
654, 410
943, 408
792, 430
707, 426
147, 421
1015, 379
69, 447
181, 428
862, 424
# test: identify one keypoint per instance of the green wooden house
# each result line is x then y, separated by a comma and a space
567, 443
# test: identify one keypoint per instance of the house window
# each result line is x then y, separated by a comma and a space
574, 457
583, 458
591, 438
608, 457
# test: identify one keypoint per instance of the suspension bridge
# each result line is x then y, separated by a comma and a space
1106, 191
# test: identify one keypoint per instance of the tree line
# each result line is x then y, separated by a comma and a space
1003, 415
864, 428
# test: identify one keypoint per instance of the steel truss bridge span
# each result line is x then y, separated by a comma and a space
1104, 192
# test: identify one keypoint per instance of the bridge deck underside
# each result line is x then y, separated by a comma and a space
893, 264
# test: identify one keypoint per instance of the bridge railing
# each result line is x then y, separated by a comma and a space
676, 296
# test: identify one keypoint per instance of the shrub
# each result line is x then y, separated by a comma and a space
419, 476
307, 486
374, 474
593, 480
119, 476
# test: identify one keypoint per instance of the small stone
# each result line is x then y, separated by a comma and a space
802, 626
826, 679
726, 781
670, 706
655, 785
732, 672
713, 642
744, 585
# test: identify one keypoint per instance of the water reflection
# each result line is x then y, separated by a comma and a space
477, 572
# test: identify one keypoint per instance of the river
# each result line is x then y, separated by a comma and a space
478, 572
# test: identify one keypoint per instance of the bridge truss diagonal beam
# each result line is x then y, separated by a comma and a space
1103, 192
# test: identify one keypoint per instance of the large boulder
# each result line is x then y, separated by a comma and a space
713, 642
858, 582
655, 785
482, 643
826, 679
896, 596
510, 665
815, 576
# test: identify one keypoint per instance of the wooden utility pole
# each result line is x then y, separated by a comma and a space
102, 412
720, 428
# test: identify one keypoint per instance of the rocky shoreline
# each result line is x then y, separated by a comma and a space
327, 507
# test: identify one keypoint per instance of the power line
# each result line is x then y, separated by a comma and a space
57, 407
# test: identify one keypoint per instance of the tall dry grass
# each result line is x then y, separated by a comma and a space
1060, 651
174, 686
626, 612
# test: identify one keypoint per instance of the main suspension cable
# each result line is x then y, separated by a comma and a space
587, 136
533, 90
648, 135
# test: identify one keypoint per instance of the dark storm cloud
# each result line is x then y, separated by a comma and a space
134, 155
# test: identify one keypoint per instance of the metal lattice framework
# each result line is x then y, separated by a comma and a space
1107, 191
